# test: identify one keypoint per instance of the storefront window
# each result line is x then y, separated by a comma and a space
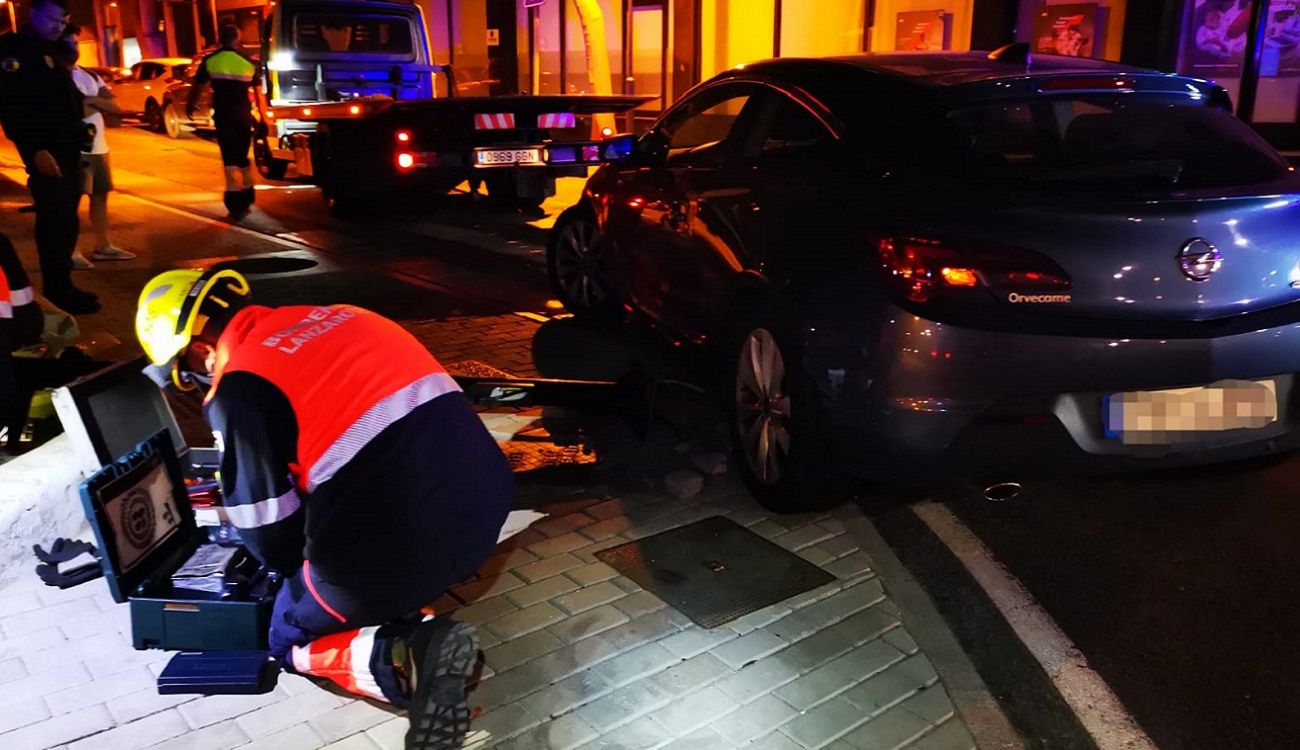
827, 27
734, 32
1074, 29
547, 49
1214, 41
921, 25
1278, 97
577, 78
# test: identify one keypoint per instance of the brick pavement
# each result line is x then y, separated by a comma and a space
576, 655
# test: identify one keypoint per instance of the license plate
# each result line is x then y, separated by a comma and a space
1159, 417
494, 156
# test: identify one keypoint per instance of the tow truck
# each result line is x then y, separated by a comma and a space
350, 97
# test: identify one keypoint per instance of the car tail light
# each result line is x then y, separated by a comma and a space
403, 136
918, 269
405, 160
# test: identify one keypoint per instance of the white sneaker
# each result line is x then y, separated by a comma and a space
79, 262
112, 252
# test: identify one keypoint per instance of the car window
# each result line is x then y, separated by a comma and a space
137, 72
1110, 141
178, 72
151, 71
354, 33
698, 130
789, 130
708, 126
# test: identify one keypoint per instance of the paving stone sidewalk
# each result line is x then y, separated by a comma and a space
576, 656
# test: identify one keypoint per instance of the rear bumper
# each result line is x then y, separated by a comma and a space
913, 395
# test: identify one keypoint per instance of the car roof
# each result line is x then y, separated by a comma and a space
941, 69
167, 60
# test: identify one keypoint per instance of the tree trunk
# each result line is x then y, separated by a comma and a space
592, 18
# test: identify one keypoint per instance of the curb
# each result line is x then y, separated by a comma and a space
977, 707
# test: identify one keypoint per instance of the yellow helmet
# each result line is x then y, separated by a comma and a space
167, 315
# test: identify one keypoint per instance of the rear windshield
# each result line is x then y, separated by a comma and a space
351, 33
1109, 141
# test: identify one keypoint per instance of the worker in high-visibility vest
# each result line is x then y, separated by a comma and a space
352, 463
231, 75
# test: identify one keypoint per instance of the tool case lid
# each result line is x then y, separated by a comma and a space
140, 512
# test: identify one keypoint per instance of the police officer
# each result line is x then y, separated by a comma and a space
41, 112
231, 76
352, 463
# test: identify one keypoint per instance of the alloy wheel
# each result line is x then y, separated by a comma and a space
579, 264
172, 121
763, 406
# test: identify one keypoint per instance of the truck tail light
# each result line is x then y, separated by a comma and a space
405, 160
918, 269
403, 136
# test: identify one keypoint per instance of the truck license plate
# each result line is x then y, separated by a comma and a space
494, 156
1158, 417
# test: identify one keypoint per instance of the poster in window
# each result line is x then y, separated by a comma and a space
1280, 55
923, 30
1069, 30
1214, 42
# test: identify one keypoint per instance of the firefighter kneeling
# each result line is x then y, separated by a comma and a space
352, 463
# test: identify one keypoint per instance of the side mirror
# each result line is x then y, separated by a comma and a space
618, 148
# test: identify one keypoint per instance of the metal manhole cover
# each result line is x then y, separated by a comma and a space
714, 570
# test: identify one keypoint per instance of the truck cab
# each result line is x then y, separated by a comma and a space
336, 50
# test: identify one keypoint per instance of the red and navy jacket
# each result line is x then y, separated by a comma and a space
21, 321
345, 442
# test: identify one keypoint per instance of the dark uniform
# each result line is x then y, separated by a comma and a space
231, 75
41, 110
352, 462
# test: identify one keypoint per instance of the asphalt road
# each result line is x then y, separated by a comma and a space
1179, 588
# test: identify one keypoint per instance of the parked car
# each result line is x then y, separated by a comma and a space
141, 93
108, 75
176, 123
930, 262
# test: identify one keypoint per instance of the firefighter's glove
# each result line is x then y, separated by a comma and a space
54, 570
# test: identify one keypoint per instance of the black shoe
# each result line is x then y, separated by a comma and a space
74, 300
445, 652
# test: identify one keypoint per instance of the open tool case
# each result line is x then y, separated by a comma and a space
185, 592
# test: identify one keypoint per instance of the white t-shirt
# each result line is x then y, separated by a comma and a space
89, 84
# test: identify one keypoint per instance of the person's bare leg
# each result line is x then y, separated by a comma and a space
99, 220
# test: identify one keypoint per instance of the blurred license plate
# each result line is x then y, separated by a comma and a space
490, 156
1155, 417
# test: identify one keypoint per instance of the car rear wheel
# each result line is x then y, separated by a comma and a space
153, 117
172, 122
781, 453
578, 263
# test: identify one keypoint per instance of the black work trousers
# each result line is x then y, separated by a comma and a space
57, 223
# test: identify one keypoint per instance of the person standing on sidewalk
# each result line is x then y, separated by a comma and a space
96, 174
231, 76
41, 112
352, 463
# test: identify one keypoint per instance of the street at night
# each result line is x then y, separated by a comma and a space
652, 375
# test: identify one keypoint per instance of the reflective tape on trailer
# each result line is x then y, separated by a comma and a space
499, 121
557, 120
